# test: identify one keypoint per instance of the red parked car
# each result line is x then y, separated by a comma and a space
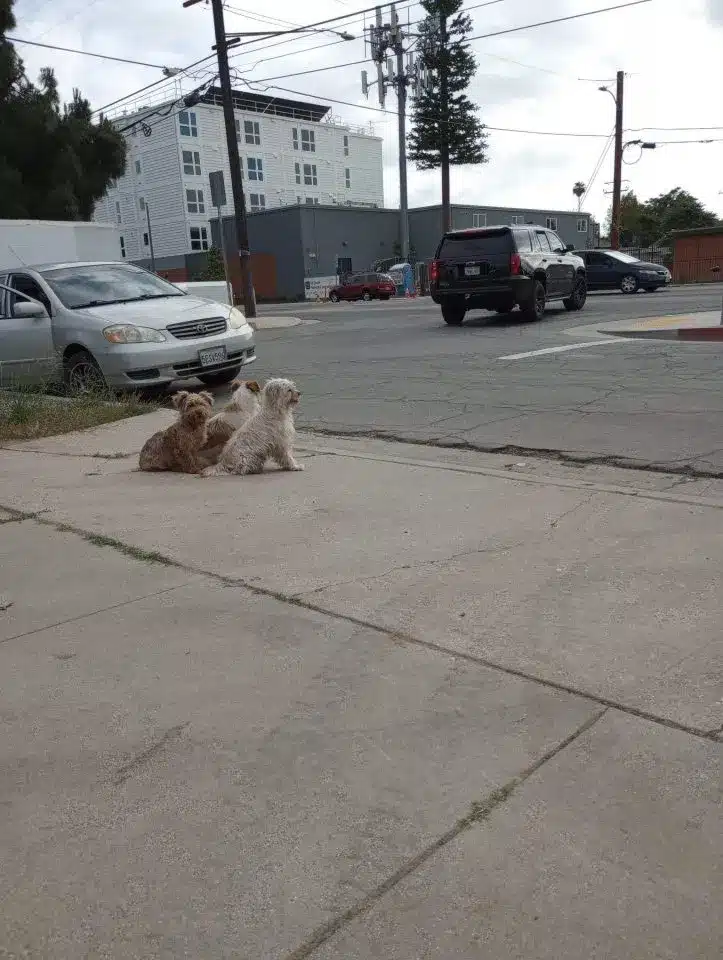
364, 286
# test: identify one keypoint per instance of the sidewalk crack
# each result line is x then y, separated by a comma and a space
480, 811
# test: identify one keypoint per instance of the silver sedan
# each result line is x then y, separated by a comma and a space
114, 325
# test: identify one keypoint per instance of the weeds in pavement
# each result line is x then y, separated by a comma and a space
29, 413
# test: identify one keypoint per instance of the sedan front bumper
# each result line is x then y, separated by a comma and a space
131, 366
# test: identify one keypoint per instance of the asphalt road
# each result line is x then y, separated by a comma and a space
396, 370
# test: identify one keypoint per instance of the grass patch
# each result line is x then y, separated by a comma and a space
28, 414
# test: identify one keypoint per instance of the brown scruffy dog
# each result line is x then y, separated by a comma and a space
178, 447
241, 407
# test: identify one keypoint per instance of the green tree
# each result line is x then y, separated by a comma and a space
446, 130
55, 162
650, 223
214, 269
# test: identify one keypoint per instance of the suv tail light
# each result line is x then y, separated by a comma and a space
515, 265
434, 271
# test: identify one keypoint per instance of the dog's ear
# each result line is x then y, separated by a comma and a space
208, 397
253, 386
178, 399
235, 384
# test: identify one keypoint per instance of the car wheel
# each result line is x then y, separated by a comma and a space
629, 283
534, 309
83, 375
453, 314
366, 296
576, 300
334, 297
220, 378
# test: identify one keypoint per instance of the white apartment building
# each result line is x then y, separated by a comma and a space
292, 152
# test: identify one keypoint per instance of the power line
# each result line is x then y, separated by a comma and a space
86, 53
546, 23
589, 13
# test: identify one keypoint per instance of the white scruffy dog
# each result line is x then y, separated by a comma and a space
241, 407
269, 434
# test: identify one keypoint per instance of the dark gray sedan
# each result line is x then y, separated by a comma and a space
614, 270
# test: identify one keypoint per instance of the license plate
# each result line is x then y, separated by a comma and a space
471, 271
212, 356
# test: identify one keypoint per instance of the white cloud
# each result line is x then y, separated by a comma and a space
669, 52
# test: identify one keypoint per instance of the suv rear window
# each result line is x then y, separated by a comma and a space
466, 246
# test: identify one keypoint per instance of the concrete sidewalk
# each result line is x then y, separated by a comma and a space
704, 326
407, 703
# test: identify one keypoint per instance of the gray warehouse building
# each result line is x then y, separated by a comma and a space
290, 244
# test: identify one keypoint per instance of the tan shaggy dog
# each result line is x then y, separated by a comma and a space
269, 434
241, 407
178, 447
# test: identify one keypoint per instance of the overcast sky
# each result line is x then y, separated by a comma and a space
670, 51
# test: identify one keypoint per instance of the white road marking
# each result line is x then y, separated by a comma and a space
563, 349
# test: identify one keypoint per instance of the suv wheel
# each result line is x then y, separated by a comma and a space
629, 283
334, 296
576, 300
453, 314
534, 308
366, 296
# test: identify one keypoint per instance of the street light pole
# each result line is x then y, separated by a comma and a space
618, 171
150, 236
237, 190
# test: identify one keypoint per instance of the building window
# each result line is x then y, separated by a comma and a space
347, 177
123, 248
479, 219
297, 171
517, 221
187, 123
308, 140
255, 168
194, 201
346, 146
199, 238
551, 223
138, 166
257, 202
312, 201
142, 204
118, 217
310, 178
192, 163
145, 239
582, 225
252, 132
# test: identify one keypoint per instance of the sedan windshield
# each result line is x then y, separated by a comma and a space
624, 257
96, 284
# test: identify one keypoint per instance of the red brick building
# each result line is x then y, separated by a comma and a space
698, 255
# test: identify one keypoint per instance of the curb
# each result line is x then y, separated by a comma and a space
278, 323
701, 334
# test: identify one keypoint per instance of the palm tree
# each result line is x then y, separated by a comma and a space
579, 190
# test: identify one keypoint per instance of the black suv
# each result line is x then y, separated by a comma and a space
498, 268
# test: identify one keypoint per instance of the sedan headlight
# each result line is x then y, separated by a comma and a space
236, 320
129, 333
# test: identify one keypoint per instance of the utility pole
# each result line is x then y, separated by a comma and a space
401, 81
237, 190
383, 37
444, 123
618, 170
150, 237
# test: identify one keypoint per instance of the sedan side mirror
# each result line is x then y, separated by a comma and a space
29, 310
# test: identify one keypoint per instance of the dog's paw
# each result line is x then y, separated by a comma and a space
298, 467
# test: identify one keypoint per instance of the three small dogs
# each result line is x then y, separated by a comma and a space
255, 426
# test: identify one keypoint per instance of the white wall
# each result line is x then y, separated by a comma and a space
29, 242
